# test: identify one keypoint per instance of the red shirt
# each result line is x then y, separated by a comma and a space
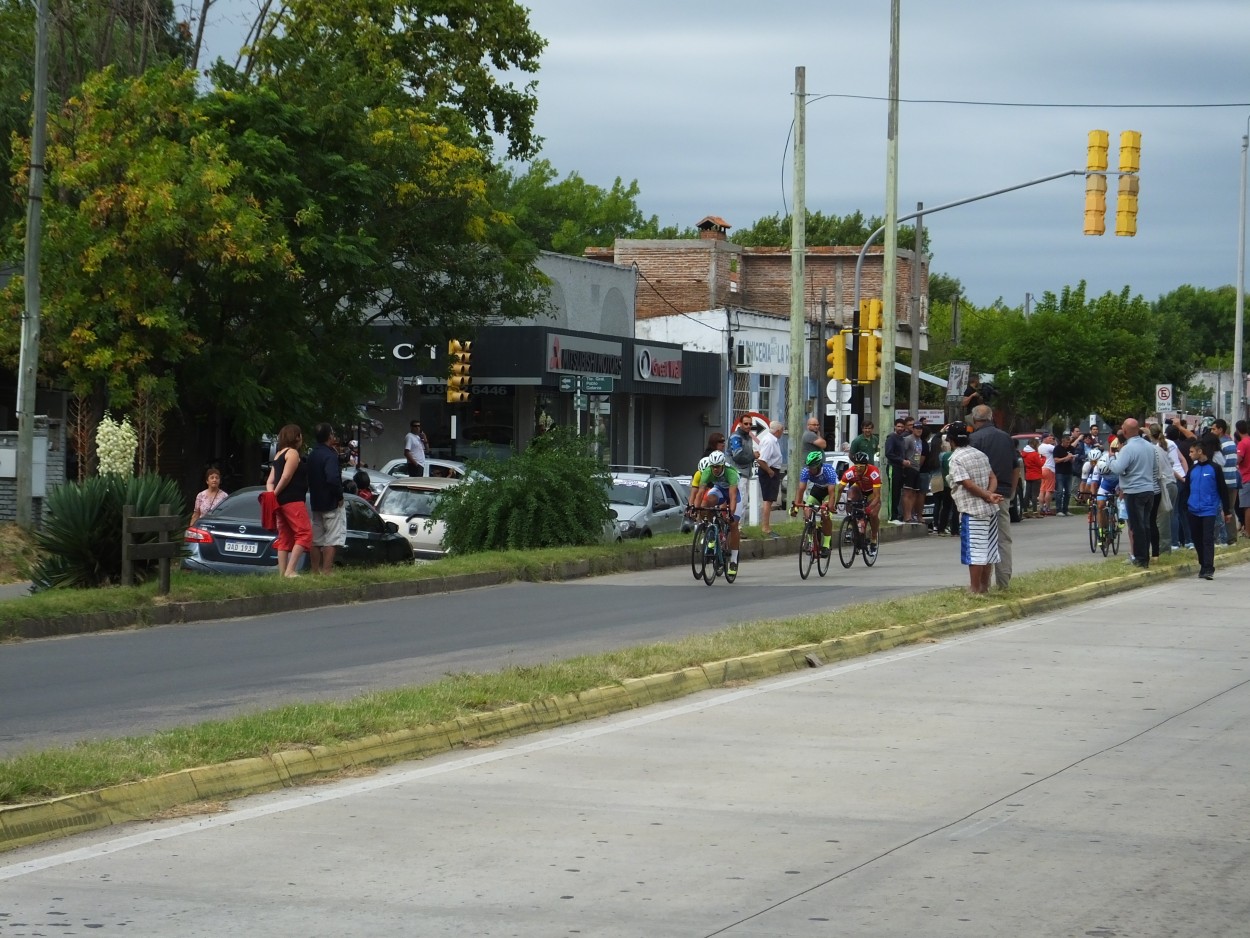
871, 476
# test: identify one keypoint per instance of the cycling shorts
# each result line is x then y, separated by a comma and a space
720, 496
1107, 485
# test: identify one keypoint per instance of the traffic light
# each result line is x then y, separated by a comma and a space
837, 356
870, 314
458, 371
1096, 183
869, 357
1126, 197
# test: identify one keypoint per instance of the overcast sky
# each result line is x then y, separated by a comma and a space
694, 100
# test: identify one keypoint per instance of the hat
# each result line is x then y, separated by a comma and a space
958, 433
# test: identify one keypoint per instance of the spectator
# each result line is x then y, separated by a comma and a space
897, 453
325, 501
915, 480
972, 394
1046, 496
1001, 452
414, 449
1232, 480
769, 464
867, 441
1243, 472
288, 480
360, 482
945, 514
742, 448
1208, 496
1065, 460
975, 491
813, 441
211, 497
1177, 434
1136, 467
1032, 460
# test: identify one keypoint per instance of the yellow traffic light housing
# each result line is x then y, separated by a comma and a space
1126, 197
837, 356
870, 312
1095, 205
458, 371
869, 357
1096, 159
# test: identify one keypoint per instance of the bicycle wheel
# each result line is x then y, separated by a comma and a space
1115, 537
870, 555
707, 551
822, 559
1105, 543
1093, 532
696, 552
846, 542
806, 543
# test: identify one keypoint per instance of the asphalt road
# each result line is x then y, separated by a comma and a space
1077, 773
58, 691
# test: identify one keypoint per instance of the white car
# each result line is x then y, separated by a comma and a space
647, 504
409, 503
435, 468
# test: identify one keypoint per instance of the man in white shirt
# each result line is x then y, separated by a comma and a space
414, 450
770, 462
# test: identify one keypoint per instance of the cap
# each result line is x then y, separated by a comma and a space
958, 433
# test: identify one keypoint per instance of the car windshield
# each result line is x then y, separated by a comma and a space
629, 493
407, 502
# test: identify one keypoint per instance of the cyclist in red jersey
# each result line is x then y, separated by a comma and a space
863, 480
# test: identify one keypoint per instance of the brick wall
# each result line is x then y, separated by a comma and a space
53, 436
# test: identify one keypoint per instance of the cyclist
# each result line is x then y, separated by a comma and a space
863, 482
824, 488
718, 484
1104, 483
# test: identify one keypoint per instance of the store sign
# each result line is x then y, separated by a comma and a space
658, 364
574, 355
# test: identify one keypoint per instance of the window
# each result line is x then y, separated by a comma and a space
766, 397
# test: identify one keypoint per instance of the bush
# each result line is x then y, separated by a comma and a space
81, 536
554, 494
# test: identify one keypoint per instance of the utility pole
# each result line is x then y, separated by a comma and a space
798, 292
889, 317
913, 386
28, 362
1239, 381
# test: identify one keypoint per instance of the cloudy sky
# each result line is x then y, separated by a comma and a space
694, 100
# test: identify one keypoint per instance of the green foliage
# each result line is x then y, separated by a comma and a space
553, 494
849, 230
81, 536
1208, 318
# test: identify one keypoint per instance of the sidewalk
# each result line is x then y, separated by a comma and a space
1077, 772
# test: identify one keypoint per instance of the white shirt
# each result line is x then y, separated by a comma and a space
770, 449
1047, 452
414, 447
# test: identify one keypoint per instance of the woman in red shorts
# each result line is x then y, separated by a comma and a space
288, 480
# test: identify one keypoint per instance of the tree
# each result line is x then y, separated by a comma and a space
850, 230
1209, 318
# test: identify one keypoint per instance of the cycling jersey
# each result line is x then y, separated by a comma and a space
871, 478
723, 481
825, 476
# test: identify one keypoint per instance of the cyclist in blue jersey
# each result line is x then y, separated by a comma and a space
1104, 482
823, 481
718, 485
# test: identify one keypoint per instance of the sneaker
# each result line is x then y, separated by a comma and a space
774, 535
1208, 576
872, 547
824, 552
897, 521
732, 569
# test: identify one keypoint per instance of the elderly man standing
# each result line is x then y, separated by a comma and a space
1001, 452
1136, 466
769, 462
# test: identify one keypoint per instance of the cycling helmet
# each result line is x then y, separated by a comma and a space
814, 458
860, 458
715, 459
704, 464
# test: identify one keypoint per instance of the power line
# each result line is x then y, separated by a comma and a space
1026, 104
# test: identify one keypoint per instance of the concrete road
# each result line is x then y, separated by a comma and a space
1076, 774
59, 691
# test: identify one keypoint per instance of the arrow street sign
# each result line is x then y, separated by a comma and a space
569, 382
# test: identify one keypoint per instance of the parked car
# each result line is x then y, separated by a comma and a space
435, 468
647, 504
230, 538
408, 503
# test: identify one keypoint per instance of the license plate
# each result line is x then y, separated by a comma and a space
240, 547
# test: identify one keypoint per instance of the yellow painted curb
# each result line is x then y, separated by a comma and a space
26, 824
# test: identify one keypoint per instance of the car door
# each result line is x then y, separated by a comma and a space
666, 507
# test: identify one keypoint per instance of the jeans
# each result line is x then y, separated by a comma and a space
1140, 505
1063, 491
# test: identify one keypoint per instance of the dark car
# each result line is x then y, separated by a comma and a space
230, 539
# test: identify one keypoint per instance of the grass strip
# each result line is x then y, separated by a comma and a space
96, 764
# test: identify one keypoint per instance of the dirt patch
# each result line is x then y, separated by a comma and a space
18, 553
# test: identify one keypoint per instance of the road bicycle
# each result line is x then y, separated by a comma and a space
811, 544
712, 545
854, 536
697, 515
1108, 539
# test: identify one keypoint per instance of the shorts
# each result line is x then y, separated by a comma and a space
293, 527
1243, 495
770, 486
1085, 471
1106, 486
718, 496
978, 540
911, 478
329, 528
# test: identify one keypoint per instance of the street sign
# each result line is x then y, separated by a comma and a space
579, 401
838, 392
598, 384
569, 382
1163, 397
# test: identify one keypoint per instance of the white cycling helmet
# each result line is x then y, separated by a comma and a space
705, 463
716, 459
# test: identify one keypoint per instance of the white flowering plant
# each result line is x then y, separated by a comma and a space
116, 444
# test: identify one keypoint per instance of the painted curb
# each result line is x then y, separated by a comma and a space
26, 824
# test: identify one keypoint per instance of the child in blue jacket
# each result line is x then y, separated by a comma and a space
1208, 498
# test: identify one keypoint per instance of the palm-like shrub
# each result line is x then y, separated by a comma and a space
554, 494
81, 535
